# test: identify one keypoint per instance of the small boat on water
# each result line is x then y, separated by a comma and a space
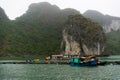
85, 61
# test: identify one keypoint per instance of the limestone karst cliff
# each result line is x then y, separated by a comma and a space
109, 23
113, 26
81, 36
39, 32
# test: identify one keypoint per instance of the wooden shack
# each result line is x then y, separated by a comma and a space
57, 56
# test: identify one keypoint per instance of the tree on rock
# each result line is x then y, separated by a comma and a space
88, 37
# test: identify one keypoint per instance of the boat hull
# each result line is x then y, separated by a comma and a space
83, 64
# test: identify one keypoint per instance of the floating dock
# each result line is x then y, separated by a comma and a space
35, 62
51, 62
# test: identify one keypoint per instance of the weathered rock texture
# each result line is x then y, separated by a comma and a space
113, 26
83, 37
72, 47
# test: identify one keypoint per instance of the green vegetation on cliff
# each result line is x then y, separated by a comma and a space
113, 37
113, 43
84, 31
99, 17
39, 31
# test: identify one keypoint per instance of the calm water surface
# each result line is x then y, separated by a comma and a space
58, 72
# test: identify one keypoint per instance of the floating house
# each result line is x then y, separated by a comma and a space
57, 56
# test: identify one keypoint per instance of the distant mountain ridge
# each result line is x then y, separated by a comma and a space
3, 16
108, 23
44, 12
39, 31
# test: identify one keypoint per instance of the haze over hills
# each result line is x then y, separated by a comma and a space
108, 23
38, 31
111, 26
3, 15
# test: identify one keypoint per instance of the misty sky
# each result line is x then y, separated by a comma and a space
15, 8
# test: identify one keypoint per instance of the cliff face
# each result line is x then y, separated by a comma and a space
113, 26
72, 47
109, 23
83, 37
37, 32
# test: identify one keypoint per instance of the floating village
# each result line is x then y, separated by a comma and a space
60, 59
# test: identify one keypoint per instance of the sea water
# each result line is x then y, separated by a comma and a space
58, 72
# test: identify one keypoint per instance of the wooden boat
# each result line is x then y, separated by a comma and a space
86, 61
